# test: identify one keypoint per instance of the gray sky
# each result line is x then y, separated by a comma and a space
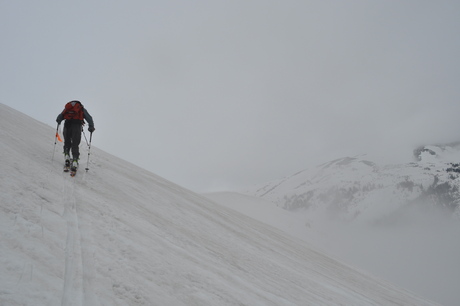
217, 95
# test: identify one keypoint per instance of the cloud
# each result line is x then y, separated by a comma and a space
257, 89
416, 248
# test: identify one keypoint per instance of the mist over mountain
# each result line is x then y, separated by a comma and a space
399, 221
353, 188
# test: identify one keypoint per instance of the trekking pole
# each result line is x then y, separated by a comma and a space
89, 148
86, 139
55, 141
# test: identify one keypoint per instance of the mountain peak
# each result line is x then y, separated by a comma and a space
449, 152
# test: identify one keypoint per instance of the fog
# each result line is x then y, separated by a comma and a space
222, 95
417, 248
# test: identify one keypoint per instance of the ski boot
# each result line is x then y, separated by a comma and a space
74, 167
66, 163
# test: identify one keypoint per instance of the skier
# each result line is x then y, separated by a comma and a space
74, 113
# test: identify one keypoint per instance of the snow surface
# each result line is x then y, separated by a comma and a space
120, 235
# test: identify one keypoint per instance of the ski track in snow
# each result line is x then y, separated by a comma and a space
72, 291
78, 280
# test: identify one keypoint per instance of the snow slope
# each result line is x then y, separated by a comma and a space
119, 235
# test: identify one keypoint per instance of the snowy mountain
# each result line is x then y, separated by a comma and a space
353, 188
120, 235
400, 222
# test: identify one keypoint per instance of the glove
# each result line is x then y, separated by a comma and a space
91, 129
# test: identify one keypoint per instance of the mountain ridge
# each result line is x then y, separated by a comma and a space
351, 186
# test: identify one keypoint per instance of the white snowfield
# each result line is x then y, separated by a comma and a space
120, 235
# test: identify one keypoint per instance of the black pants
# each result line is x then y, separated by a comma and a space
72, 137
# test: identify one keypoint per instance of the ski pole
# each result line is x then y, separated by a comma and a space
84, 134
89, 149
55, 141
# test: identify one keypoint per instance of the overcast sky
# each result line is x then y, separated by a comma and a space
218, 95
